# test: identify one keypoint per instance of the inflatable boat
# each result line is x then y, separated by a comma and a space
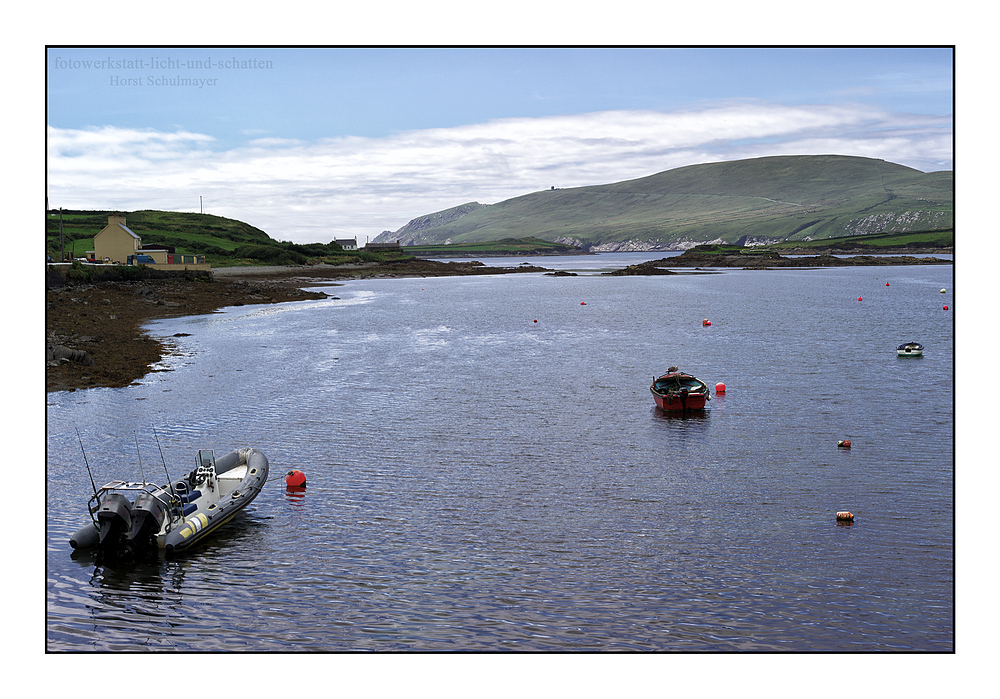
132, 519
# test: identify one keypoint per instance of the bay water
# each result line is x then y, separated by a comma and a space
486, 470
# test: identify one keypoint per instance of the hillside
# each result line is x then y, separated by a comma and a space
508, 247
222, 241
761, 200
192, 233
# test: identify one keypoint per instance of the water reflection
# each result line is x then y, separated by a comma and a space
295, 494
672, 415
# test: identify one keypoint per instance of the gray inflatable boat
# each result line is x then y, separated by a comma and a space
175, 516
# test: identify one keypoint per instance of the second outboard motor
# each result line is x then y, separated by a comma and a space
148, 514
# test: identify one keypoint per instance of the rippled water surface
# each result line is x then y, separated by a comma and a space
486, 469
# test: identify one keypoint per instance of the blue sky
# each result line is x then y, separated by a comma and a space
312, 144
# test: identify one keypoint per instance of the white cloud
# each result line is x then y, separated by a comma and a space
342, 187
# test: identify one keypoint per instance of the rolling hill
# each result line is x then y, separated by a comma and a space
747, 202
223, 241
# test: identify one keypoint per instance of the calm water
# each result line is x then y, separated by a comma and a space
478, 480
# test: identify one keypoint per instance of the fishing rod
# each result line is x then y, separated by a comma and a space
86, 463
137, 452
170, 483
156, 437
174, 500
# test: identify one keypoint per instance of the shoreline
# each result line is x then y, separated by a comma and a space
94, 332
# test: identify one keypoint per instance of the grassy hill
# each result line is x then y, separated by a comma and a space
222, 241
758, 200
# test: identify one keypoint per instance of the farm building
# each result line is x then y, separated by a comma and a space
115, 242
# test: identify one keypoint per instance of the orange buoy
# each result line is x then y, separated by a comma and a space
295, 479
720, 387
845, 516
844, 444
706, 322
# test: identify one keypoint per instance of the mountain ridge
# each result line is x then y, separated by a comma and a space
749, 202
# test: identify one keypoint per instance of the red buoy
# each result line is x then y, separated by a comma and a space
887, 283
706, 322
946, 308
844, 444
583, 303
720, 387
295, 479
859, 298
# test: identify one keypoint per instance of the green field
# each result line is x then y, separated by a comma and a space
222, 241
922, 239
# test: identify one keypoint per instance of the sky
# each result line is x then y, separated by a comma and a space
313, 144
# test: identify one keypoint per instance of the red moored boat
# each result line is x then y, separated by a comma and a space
676, 390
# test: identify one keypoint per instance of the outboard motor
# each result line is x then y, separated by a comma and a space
148, 514
115, 520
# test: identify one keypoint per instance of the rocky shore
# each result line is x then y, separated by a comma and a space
769, 260
93, 331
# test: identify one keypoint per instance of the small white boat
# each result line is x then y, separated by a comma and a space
910, 349
175, 516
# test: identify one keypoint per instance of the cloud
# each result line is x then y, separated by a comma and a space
310, 191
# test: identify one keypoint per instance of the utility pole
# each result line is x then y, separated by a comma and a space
62, 245
201, 203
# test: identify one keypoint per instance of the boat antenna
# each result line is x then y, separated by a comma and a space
86, 463
141, 474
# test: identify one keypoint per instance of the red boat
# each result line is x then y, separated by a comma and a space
676, 390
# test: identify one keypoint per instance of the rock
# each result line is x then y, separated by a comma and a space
60, 354
642, 269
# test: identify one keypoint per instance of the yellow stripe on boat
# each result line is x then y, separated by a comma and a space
194, 525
